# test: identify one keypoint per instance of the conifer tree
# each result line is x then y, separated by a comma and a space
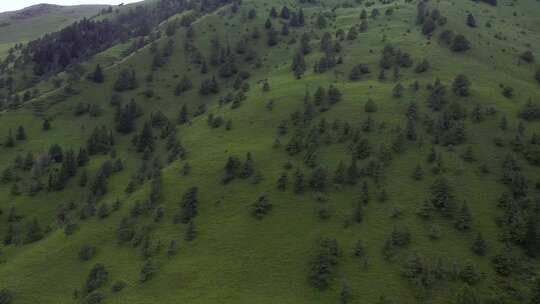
299, 182
21, 133
97, 75
283, 181
191, 232
463, 218
261, 207
9, 141
145, 140
189, 205
479, 246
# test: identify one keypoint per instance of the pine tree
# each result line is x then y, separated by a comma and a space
470, 20
298, 65
189, 205
460, 44
285, 13
461, 85
46, 125
535, 298
299, 182
127, 80
268, 24
425, 210
34, 232
148, 271
463, 218
9, 141
82, 157
283, 181
418, 173
183, 117
97, 75
21, 134
352, 33
345, 296
191, 232
248, 168
145, 140
69, 164
273, 12
358, 213
441, 196
261, 207
479, 246
305, 46
56, 154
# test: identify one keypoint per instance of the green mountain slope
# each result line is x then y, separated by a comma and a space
32, 22
434, 174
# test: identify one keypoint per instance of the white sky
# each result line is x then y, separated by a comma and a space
12, 5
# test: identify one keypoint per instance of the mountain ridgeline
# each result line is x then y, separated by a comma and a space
263, 151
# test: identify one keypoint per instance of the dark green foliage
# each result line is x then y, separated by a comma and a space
470, 20
461, 85
400, 237
231, 169
283, 181
21, 133
184, 85
209, 86
189, 205
527, 56
298, 64
96, 278
46, 125
145, 140
127, 80
34, 232
535, 298
125, 231
441, 196
148, 271
323, 264
191, 232
479, 246
94, 298
97, 75
530, 111
358, 71
463, 218
261, 207
9, 141
460, 44
87, 252
466, 295
118, 286
5, 296
345, 296
100, 141
469, 274
422, 67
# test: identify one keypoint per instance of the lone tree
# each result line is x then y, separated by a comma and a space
460, 44
470, 20
261, 207
97, 75
461, 85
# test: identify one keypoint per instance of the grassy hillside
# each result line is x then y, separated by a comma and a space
32, 22
429, 183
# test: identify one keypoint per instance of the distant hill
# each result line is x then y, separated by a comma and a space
32, 22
